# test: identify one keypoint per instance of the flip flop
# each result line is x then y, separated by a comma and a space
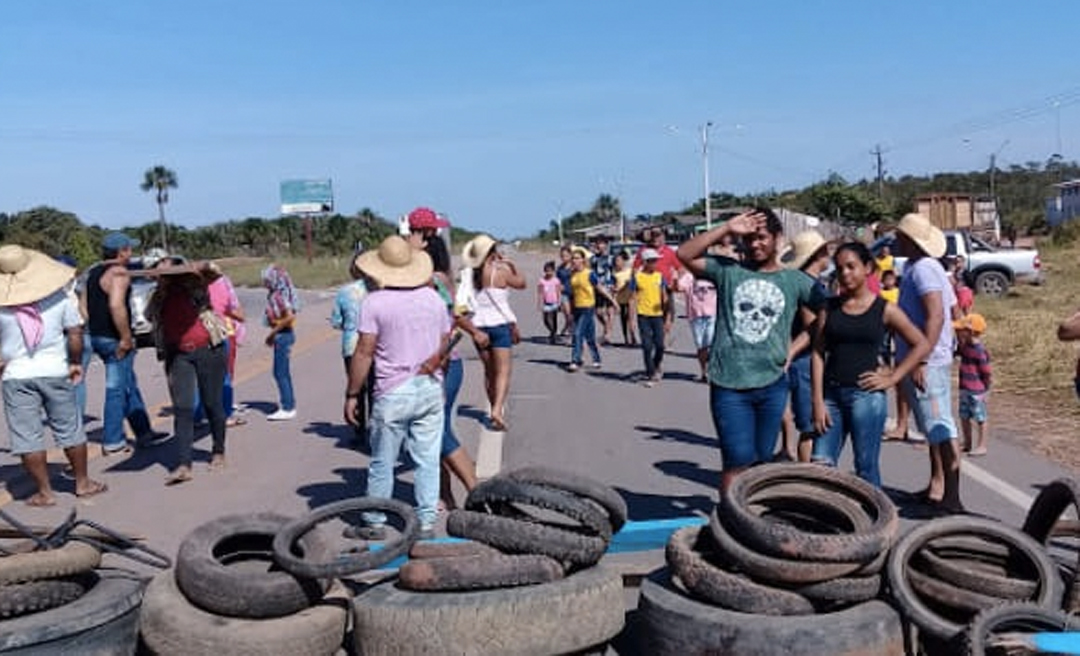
40, 501
234, 421
977, 453
893, 437
498, 425
177, 479
96, 488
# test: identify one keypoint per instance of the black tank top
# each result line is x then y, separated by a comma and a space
99, 320
852, 342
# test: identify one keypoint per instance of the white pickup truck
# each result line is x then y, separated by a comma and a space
990, 271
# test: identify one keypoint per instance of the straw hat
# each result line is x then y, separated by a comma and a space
803, 247
926, 235
476, 251
27, 275
396, 264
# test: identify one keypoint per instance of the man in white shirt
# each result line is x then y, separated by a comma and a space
41, 353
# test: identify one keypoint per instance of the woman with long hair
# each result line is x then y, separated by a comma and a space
282, 304
493, 277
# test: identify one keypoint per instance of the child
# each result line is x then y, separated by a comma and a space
622, 291
548, 295
700, 298
584, 287
975, 374
563, 272
891, 293
650, 297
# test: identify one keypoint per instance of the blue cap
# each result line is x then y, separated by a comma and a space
115, 241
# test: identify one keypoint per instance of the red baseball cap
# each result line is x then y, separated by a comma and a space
423, 217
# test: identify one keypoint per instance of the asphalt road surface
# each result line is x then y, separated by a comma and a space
656, 446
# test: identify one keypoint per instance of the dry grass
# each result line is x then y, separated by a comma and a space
321, 273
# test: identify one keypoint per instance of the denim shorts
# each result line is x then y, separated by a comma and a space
24, 401
802, 406
972, 406
703, 329
932, 407
500, 336
551, 307
748, 422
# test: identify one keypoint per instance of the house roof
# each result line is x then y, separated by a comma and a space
1068, 184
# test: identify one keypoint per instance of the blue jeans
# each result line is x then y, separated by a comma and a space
861, 415
122, 397
455, 375
410, 414
652, 342
584, 331
748, 422
802, 405
283, 343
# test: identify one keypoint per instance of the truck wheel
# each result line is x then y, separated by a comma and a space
991, 283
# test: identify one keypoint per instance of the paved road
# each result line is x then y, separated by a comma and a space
657, 446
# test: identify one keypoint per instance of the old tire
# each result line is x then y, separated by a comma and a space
583, 486
918, 612
570, 615
976, 576
344, 564
715, 585
226, 566
105, 620
35, 596
478, 572
787, 541
72, 558
673, 624
1008, 618
171, 626
1043, 516
492, 494
517, 536
835, 511
948, 595
427, 549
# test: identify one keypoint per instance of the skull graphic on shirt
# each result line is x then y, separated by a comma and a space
757, 305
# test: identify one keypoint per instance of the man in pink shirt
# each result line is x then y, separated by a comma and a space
700, 297
404, 330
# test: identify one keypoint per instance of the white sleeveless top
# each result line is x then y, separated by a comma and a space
491, 307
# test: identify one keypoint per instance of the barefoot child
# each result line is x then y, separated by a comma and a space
622, 291
975, 375
548, 296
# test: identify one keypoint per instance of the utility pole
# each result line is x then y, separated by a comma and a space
705, 160
880, 165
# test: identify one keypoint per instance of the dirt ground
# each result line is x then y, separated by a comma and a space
1044, 423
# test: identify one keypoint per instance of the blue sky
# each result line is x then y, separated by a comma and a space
498, 113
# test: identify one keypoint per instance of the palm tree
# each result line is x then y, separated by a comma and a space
160, 179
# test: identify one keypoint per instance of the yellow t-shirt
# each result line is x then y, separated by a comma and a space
650, 298
582, 289
884, 264
622, 285
890, 295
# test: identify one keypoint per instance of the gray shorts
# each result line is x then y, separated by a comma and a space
24, 402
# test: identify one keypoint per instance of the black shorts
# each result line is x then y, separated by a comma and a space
602, 302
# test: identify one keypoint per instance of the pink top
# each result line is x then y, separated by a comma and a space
409, 326
700, 296
223, 299
549, 290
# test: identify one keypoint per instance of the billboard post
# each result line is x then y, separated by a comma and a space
307, 198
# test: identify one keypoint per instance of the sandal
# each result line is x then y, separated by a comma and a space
39, 500
893, 437
179, 477
234, 421
498, 425
95, 488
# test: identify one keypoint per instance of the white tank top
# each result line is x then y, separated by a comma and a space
492, 307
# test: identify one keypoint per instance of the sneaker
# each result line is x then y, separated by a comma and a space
427, 532
573, 367
596, 365
121, 449
281, 415
154, 438
365, 532
649, 383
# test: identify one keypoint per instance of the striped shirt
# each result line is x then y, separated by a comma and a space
974, 368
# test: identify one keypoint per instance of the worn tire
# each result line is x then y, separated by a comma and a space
830, 508
492, 494
427, 549
570, 615
205, 575
786, 541
103, 621
72, 558
172, 626
976, 576
782, 571
842, 591
517, 536
949, 596
23, 598
603, 495
350, 563
715, 585
478, 572
918, 612
1008, 618
673, 624
1043, 516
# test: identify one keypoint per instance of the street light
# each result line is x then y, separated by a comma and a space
705, 162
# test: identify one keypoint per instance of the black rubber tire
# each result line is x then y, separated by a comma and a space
497, 492
478, 572
787, 541
673, 624
171, 625
947, 595
205, 575
424, 549
566, 616
105, 620
783, 571
1044, 514
72, 558
830, 508
344, 564
1008, 618
976, 576
842, 592
918, 612
517, 536
603, 495
33, 597
715, 585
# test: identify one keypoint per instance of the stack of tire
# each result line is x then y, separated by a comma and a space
61, 601
527, 581
790, 563
226, 596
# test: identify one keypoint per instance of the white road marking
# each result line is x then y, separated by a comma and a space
991, 482
489, 453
